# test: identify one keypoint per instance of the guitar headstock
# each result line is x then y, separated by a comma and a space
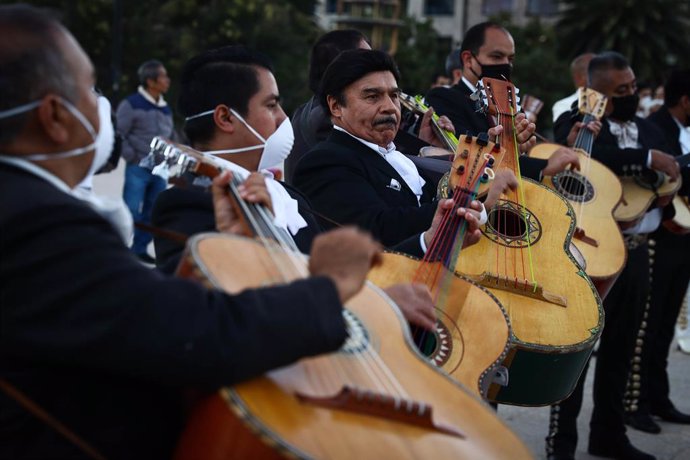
179, 160
500, 97
413, 103
473, 166
591, 102
532, 104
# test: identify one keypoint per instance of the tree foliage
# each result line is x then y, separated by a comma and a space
419, 55
652, 34
172, 31
538, 69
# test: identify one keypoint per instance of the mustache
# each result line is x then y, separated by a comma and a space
387, 120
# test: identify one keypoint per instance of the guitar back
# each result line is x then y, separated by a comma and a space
639, 194
681, 220
293, 410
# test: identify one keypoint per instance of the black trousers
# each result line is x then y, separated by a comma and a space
623, 308
670, 264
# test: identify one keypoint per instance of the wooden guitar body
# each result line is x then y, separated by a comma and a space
327, 406
640, 193
594, 194
555, 323
680, 223
472, 333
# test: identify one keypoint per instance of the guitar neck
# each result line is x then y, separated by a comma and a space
450, 142
585, 138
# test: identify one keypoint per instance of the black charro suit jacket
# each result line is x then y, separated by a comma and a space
102, 343
350, 183
455, 103
665, 121
624, 162
190, 211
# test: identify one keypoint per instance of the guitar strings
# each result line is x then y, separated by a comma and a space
375, 369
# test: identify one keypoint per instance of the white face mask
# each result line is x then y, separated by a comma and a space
102, 141
276, 148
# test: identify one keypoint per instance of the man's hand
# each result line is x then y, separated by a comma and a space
253, 190
666, 164
503, 182
427, 132
561, 159
524, 132
594, 126
415, 303
472, 234
345, 255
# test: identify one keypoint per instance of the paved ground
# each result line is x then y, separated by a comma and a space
530, 423
673, 443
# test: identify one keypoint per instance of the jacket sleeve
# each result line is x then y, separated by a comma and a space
73, 295
335, 184
186, 211
124, 118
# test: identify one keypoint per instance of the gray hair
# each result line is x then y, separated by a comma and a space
149, 70
32, 64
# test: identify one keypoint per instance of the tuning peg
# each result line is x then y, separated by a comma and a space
483, 139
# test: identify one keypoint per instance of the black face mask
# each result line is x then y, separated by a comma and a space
496, 71
624, 107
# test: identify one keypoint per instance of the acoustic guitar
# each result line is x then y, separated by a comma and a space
470, 339
642, 191
594, 192
680, 223
523, 258
374, 398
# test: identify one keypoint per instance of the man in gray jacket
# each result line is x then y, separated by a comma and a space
140, 117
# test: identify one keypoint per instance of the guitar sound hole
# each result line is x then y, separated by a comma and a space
573, 186
426, 343
507, 223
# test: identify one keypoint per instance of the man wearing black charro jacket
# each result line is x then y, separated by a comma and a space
488, 51
670, 274
627, 145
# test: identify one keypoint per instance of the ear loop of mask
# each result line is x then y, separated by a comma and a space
55, 156
21, 109
239, 117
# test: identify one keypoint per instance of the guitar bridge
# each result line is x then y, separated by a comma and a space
582, 236
521, 287
382, 406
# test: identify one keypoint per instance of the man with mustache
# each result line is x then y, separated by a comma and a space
357, 175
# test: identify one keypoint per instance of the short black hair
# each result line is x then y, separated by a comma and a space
348, 67
32, 64
326, 48
476, 35
677, 85
453, 62
224, 75
603, 62
149, 70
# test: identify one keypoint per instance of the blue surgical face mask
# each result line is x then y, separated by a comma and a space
276, 148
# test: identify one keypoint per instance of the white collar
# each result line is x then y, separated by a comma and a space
285, 208
375, 147
36, 171
158, 103
467, 83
